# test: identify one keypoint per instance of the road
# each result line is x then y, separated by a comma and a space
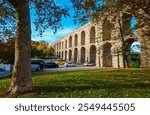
61, 68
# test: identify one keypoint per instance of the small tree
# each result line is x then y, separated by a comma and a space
50, 52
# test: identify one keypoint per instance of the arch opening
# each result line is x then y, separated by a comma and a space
76, 40
126, 22
92, 35
65, 55
70, 55
75, 54
107, 55
132, 53
107, 28
66, 44
93, 54
82, 55
83, 38
62, 56
70, 42
59, 55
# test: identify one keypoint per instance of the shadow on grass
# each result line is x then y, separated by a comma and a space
94, 85
6, 77
110, 85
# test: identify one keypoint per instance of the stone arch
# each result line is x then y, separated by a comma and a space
107, 55
126, 21
70, 55
76, 40
70, 41
59, 54
75, 54
82, 54
93, 54
59, 45
92, 34
83, 38
62, 55
106, 28
129, 53
66, 44
62, 45
65, 55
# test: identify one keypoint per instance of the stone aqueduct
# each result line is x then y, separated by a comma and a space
96, 43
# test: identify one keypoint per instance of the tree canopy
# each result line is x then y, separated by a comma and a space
94, 8
45, 14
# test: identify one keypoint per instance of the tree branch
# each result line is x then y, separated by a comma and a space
13, 3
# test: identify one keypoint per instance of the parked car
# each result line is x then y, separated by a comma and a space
2, 69
60, 62
88, 64
51, 65
39, 62
35, 67
69, 64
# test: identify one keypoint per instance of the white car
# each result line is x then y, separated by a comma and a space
88, 64
2, 69
35, 67
69, 64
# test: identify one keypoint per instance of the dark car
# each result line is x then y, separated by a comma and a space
51, 65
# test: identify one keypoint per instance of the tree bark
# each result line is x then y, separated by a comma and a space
123, 42
21, 77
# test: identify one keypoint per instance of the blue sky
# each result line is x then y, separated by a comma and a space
68, 26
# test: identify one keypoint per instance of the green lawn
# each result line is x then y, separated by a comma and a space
93, 83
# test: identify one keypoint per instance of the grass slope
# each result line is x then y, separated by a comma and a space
94, 83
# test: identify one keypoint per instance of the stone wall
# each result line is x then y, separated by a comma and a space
102, 45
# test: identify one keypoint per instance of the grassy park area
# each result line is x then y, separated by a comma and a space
117, 83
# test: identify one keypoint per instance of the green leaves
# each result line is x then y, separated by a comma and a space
46, 14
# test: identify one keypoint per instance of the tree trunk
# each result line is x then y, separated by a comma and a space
22, 80
123, 42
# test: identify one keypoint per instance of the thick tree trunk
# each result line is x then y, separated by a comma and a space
21, 80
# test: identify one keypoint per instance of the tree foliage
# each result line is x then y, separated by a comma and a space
95, 8
7, 51
41, 50
45, 14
